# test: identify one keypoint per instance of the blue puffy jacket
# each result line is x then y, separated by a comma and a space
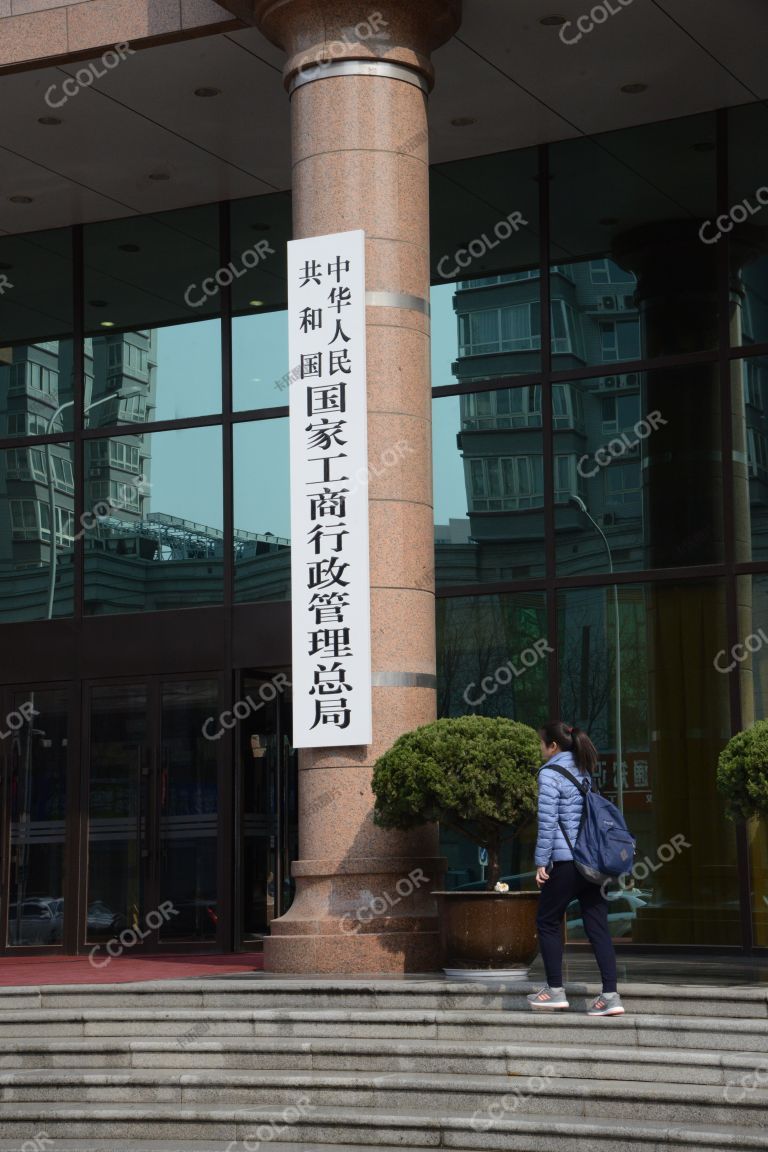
558, 800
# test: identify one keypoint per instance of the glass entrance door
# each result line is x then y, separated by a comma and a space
122, 861
267, 810
34, 732
151, 873
187, 806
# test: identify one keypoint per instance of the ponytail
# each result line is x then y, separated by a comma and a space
573, 740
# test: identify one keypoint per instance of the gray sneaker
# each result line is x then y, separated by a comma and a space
606, 1004
548, 997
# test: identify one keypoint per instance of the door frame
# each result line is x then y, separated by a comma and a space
152, 768
239, 676
69, 883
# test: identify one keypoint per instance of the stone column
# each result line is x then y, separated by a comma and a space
358, 76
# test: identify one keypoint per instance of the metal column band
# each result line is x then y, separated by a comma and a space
398, 300
320, 69
404, 680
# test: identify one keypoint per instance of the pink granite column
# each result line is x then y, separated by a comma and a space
359, 75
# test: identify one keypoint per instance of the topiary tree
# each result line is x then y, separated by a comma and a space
742, 773
476, 774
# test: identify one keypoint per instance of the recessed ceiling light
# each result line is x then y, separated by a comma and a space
206, 92
256, 303
552, 21
129, 248
463, 121
159, 176
21, 199
107, 324
261, 227
634, 89
49, 121
97, 303
704, 146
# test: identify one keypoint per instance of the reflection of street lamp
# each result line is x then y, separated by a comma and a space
24, 823
577, 500
51, 492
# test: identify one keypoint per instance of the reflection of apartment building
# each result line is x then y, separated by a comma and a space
38, 482
594, 321
120, 379
33, 381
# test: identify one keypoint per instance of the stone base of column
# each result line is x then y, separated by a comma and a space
355, 916
326, 952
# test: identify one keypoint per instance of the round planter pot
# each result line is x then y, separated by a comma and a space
488, 935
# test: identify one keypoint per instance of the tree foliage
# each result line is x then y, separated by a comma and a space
474, 773
742, 772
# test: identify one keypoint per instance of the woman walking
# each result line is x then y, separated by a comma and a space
559, 880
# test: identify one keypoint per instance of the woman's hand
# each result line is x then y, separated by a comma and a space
541, 876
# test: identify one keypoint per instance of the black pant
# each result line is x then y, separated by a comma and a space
565, 884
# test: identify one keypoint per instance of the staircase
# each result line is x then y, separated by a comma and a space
228, 1065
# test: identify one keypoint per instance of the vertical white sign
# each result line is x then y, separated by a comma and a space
331, 601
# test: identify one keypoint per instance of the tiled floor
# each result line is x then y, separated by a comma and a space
706, 969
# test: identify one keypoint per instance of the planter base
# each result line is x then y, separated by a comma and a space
487, 975
488, 935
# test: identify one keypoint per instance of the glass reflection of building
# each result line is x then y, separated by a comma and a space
648, 410
594, 317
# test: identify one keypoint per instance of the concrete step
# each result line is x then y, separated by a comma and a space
521, 1027
547, 1092
680, 1066
383, 994
162, 1129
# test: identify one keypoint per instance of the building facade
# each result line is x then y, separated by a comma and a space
568, 457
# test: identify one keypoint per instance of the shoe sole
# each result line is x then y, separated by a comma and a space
550, 1007
608, 1012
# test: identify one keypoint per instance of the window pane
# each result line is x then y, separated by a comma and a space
118, 793
188, 811
38, 780
143, 275
36, 583
492, 654
750, 665
746, 222
674, 721
154, 538
150, 270
488, 489
36, 387
261, 227
262, 511
261, 376
648, 474
153, 374
749, 408
36, 320
638, 197
470, 235
471, 239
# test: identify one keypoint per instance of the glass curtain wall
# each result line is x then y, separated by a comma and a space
128, 349
598, 428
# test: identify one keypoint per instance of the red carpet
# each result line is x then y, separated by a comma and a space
21, 971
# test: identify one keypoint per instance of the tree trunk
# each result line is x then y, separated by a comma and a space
494, 863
